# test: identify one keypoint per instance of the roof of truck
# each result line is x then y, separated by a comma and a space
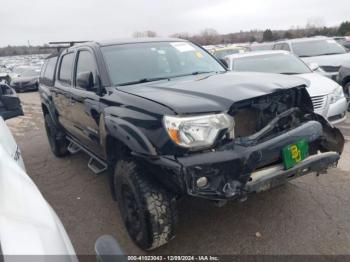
137, 40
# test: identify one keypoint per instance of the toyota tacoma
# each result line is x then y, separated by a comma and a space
165, 119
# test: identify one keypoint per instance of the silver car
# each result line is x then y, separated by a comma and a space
327, 53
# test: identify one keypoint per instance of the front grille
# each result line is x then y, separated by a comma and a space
331, 69
319, 102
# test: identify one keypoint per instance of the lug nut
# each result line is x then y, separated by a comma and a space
202, 182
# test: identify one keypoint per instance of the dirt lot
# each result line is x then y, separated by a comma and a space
307, 216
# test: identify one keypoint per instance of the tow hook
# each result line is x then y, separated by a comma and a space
232, 189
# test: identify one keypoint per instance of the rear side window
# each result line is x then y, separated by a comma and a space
48, 71
43, 69
50, 68
65, 71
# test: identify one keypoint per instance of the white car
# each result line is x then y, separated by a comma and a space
28, 224
324, 51
327, 96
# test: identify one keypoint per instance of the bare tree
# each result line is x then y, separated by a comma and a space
148, 33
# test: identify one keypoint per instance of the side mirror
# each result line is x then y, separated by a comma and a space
10, 104
314, 66
224, 62
85, 80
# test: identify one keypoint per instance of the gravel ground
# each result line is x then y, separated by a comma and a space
307, 216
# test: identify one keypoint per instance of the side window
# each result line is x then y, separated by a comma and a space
277, 47
285, 47
43, 69
86, 63
65, 71
50, 69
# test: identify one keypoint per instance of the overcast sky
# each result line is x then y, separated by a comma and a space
41, 21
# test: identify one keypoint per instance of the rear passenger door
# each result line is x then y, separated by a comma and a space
62, 90
85, 103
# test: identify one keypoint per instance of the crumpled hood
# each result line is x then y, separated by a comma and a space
328, 60
214, 93
319, 84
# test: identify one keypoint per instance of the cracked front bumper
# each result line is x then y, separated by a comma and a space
233, 170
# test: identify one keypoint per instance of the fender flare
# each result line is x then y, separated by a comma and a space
45, 102
130, 135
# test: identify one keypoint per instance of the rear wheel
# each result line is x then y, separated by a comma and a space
57, 140
148, 210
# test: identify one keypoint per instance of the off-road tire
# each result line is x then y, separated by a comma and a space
148, 211
57, 140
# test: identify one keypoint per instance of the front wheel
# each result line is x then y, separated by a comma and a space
57, 140
148, 211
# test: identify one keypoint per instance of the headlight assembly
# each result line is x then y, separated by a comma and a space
336, 94
197, 131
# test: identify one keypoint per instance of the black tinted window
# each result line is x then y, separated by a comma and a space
65, 72
86, 63
50, 68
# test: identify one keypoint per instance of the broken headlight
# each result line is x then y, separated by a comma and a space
197, 131
336, 94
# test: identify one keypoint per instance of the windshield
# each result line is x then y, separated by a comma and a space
30, 72
317, 48
129, 63
272, 63
220, 54
19, 70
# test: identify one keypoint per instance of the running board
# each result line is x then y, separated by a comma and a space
95, 164
73, 148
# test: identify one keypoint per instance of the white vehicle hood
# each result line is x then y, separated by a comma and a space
28, 225
319, 84
328, 60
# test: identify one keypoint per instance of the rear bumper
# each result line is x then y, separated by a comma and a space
233, 170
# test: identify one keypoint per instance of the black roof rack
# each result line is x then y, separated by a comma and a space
61, 45
70, 43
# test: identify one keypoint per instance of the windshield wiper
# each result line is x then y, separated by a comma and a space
289, 73
146, 80
332, 54
198, 73
143, 80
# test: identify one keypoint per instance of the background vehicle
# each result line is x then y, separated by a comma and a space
326, 52
343, 40
261, 46
167, 120
27, 79
327, 96
221, 52
28, 224
344, 79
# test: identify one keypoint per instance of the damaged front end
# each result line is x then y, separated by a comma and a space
253, 160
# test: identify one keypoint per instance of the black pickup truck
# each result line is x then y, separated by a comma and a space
165, 119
